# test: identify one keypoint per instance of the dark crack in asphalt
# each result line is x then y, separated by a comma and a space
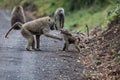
49, 64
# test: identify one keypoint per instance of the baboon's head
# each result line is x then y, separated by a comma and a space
18, 8
51, 23
60, 12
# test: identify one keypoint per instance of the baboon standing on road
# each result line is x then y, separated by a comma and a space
59, 18
17, 15
36, 27
70, 39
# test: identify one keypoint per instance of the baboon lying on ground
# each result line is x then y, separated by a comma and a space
36, 27
70, 39
59, 18
17, 15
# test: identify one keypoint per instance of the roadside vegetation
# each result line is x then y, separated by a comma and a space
78, 12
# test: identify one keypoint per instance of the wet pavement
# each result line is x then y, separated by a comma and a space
49, 64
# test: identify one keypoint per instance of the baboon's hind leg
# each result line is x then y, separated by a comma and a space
30, 39
77, 45
31, 43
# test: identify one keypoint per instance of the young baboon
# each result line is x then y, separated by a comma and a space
70, 39
17, 15
36, 27
59, 18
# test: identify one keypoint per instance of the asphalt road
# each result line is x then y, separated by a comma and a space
49, 64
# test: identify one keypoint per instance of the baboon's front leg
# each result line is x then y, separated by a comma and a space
46, 33
30, 39
38, 42
61, 22
66, 45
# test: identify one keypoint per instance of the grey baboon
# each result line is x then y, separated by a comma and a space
17, 15
59, 18
36, 27
70, 39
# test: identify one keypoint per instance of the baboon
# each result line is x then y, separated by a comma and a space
59, 18
36, 27
70, 39
17, 15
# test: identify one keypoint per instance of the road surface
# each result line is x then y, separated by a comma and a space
49, 64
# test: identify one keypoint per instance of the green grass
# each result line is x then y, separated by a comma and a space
84, 16
92, 16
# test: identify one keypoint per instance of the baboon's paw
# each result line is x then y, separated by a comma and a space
37, 49
28, 49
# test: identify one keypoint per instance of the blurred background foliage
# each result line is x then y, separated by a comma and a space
77, 12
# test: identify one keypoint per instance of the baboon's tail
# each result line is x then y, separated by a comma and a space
87, 30
17, 23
